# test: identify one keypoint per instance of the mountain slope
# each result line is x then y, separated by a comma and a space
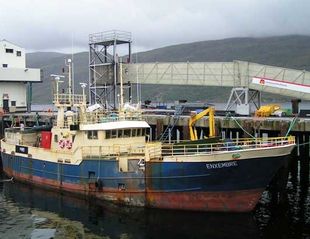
286, 51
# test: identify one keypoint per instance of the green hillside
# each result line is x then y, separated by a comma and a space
285, 51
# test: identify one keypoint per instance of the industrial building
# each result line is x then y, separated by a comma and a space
15, 78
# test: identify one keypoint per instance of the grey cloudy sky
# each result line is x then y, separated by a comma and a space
45, 25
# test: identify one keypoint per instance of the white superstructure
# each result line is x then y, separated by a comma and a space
15, 78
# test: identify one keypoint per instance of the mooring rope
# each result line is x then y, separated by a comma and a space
291, 126
7, 180
303, 144
228, 115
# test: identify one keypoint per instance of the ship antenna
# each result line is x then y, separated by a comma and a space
83, 85
72, 57
57, 80
58, 102
137, 80
70, 79
121, 85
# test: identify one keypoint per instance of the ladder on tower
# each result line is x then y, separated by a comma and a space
177, 114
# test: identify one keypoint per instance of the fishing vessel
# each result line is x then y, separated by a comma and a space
108, 155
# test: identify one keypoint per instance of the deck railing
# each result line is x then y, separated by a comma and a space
113, 150
157, 150
68, 99
101, 117
110, 116
229, 145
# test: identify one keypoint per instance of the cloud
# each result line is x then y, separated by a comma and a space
55, 24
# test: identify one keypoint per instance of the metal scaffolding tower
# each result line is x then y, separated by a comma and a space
103, 66
244, 99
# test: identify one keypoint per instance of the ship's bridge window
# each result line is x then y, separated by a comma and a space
109, 134
141, 132
126, 133
114, 133
92, 134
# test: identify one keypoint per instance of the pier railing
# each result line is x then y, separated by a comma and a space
219, 147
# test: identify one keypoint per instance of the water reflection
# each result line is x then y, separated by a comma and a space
123, 222
289, 219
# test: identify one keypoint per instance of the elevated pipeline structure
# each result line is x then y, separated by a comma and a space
247, 79
230, 74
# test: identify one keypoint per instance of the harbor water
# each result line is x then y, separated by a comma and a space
30, 212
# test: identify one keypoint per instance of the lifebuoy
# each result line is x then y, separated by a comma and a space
49, 112
68, 144
61, 144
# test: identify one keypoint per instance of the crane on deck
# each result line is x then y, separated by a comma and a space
193, 119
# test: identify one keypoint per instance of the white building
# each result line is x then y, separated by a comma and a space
15, 78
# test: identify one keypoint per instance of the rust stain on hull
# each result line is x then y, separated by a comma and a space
132, 197
237, 201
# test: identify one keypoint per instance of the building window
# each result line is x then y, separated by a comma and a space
13, 103
9, 50
108, 134
92, 134
4, 65
55, 138
18, 53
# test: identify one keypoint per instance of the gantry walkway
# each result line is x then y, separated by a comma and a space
265, 78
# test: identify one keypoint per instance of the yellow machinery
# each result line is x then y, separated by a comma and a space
267, 110
193, 119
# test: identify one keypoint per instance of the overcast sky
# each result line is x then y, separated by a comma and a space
52, 25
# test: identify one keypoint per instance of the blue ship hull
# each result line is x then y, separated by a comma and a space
217, 186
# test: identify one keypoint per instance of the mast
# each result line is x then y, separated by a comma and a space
121, 85
63, 101
57, 101
70, 81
